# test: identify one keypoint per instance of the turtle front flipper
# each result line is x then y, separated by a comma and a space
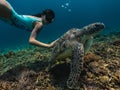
76, 65
88, 44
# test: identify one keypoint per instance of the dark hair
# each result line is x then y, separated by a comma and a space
49, 14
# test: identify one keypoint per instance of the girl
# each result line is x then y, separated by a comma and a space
27, 22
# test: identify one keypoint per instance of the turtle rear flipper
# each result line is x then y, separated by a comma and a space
57, 53
76, 65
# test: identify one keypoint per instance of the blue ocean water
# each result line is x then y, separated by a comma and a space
69, 14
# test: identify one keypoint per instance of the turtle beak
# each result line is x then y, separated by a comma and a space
100, 25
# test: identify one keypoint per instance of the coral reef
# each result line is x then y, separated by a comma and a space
25, 69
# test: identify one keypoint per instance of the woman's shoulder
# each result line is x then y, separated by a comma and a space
32, 17
29, 16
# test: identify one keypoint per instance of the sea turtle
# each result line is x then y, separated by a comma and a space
75, 42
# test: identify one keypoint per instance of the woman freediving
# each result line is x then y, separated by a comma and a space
33, 23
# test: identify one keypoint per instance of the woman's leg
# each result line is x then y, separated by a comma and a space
5, 9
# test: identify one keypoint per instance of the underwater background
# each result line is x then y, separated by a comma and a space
68, 14
24, 66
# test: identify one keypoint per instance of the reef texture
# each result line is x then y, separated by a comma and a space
25, 69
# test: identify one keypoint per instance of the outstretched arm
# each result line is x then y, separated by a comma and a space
34, 35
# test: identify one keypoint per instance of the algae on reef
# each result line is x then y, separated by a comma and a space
26, 68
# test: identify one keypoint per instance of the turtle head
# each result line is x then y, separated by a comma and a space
93, 28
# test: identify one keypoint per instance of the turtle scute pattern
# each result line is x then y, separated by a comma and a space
72, 40
69, 41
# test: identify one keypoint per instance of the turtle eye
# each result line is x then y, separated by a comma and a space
97, 25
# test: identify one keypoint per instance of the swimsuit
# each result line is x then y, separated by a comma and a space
21, 21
